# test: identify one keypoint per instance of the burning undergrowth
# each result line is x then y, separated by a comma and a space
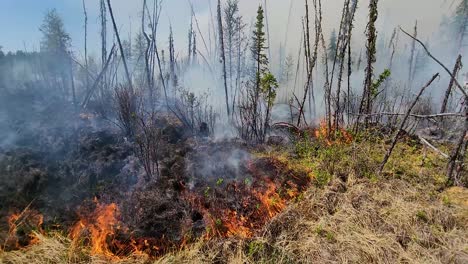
98, 195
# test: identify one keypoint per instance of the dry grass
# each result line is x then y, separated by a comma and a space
359, 221
399, 218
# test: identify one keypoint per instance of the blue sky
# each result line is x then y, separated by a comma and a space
20, 20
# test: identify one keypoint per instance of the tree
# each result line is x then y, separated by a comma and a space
139, 51
287, 69
223, 55
55, 39
234, 45
460, 23
332, 46
55, 46
232, 25
258, 51
264, 83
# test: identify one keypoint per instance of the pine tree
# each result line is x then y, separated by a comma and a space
460, 24
265, 81
55, 45
332, 46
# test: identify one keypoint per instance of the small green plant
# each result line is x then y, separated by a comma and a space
304, 147
218, 222
322, 178
421, 215
247, 181
330, 236
207, 192
446, 200
255, 247
219, 181
377, 83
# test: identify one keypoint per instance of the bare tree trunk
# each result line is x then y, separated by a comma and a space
223, 56
267, 29
122, 53
72, 81
458, 154
366, 101
91, 89
103, 18
411, 60
310, 59
86, 41
402, 125
456, 68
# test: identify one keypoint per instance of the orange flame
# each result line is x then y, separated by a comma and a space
26, 221
271, 200
334, 136
101, 227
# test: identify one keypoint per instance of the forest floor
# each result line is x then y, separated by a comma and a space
347, 214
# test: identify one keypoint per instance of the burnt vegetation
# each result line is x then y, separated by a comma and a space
238, 147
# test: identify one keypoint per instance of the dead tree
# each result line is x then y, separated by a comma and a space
456, 69
366, 100
91, 89
223, 56
311, 59
411, 59
455, 165
338, 57
86, 40
122, 53
103, 18
403, 123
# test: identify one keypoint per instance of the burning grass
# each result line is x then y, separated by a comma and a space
265, 209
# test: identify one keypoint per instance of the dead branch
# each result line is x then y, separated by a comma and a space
414, 115
438, 62
400, 129
425, 142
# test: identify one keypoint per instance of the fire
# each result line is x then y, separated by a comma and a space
258, 205
22, 229
271, 200
335, 136
107, 236
102, 225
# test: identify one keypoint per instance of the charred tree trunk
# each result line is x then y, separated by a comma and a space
456, 68
223, 56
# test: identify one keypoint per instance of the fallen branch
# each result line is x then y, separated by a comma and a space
425, 142
286, 125
402, 125
414, 115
